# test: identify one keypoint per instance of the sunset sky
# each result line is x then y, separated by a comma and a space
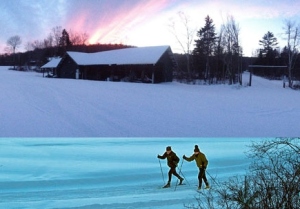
142, 22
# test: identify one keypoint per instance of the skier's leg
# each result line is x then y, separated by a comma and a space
169, 179
205, 179
200, 178
175, 172
177, 175
170, 175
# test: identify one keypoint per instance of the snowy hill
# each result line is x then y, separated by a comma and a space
33, 106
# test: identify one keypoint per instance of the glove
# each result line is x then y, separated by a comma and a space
158, 156
184, 157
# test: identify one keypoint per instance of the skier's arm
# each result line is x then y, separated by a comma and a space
162, 156
175, 159
205, 161
191, 158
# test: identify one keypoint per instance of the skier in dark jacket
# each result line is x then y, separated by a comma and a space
202, 163
172, 161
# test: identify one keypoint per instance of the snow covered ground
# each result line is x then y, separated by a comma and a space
94, 173
89, 144
33, 106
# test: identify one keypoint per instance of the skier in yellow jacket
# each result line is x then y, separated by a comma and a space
202, 163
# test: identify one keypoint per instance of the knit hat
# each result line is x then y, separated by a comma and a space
196, 149
168, 148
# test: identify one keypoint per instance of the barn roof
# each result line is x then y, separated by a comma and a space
127, 56
53, 63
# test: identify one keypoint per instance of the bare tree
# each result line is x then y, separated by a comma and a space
37, 44
186, 39
78, 38
28, 46
84, 37
48, 42
273, 180
293, 40
232, 49
56, 34
74, 37
13, 43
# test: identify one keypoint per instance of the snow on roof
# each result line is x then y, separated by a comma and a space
127, 56
52, 63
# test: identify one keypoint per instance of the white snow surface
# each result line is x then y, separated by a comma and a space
79, 144
127, 56
53, 63
105, 173
34, 106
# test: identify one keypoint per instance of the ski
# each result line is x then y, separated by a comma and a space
204, 189
166, 187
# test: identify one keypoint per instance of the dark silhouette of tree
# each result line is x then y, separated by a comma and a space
232, 50
186, 41
292, 33
205, 44
268, 55
269, 43
64, 40
13, 43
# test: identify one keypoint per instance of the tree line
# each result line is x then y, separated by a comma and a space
211, 58
56, 44
218, 57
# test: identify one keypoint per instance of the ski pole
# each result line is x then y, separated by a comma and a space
162, 173
179, 173
212, 178
185, 178
183, 174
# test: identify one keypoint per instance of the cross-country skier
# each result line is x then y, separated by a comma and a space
172, 161
202, 163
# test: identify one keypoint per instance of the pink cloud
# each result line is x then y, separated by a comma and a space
111, 25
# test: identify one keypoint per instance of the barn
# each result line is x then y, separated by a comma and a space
51, 66
152, 64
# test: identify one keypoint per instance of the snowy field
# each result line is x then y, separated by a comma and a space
105, 173
33, 106
77, 144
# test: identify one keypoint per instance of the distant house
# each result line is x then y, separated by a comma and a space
51, 66
143, 64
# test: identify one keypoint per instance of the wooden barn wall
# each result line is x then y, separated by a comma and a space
67, 68
163, 71
165, 68
95, 72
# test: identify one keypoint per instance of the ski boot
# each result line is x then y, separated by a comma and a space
167, 185
180, 180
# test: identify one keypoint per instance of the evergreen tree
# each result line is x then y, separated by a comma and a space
64, 40
267, 55
269, 43
205, 45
